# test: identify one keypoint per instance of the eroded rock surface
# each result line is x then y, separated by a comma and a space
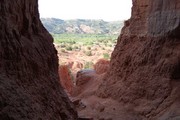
145, 65
101, 66
29, 83
66, 78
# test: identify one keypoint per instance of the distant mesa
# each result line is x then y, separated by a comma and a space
81, 26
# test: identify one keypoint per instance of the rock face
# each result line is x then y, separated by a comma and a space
101, 66
66, 78
145, 65
29, 83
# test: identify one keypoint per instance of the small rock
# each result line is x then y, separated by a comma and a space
82, 105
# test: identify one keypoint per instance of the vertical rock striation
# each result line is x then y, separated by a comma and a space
145, 65
29, 83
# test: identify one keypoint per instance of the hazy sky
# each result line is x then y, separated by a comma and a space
108, 10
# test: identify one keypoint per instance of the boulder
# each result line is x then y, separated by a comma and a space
83, 76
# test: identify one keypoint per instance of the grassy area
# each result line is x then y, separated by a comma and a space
84, 48
86, 39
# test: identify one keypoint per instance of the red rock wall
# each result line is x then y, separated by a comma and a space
145, 65
66, 78
29, 83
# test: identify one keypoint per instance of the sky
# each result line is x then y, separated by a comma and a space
108, 10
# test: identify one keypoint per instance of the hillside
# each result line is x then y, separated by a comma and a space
81, 26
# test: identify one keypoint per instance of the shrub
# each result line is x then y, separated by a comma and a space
101, 41
88, 53
88, 48
103, 48
69, 48
110, 45
76, 47
63, 45
72, 42
63, 50
88, 65
106, 56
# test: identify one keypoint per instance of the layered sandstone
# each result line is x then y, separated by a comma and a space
144, 69
29, 82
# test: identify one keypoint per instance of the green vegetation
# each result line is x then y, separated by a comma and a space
88, 65
106, 56
84, 39
69, 48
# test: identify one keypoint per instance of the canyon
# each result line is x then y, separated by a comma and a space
142, 81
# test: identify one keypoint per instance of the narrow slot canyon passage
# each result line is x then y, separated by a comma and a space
84, 49
138, 81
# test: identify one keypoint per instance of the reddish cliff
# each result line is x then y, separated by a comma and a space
29, 83
145, 65
66, 78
